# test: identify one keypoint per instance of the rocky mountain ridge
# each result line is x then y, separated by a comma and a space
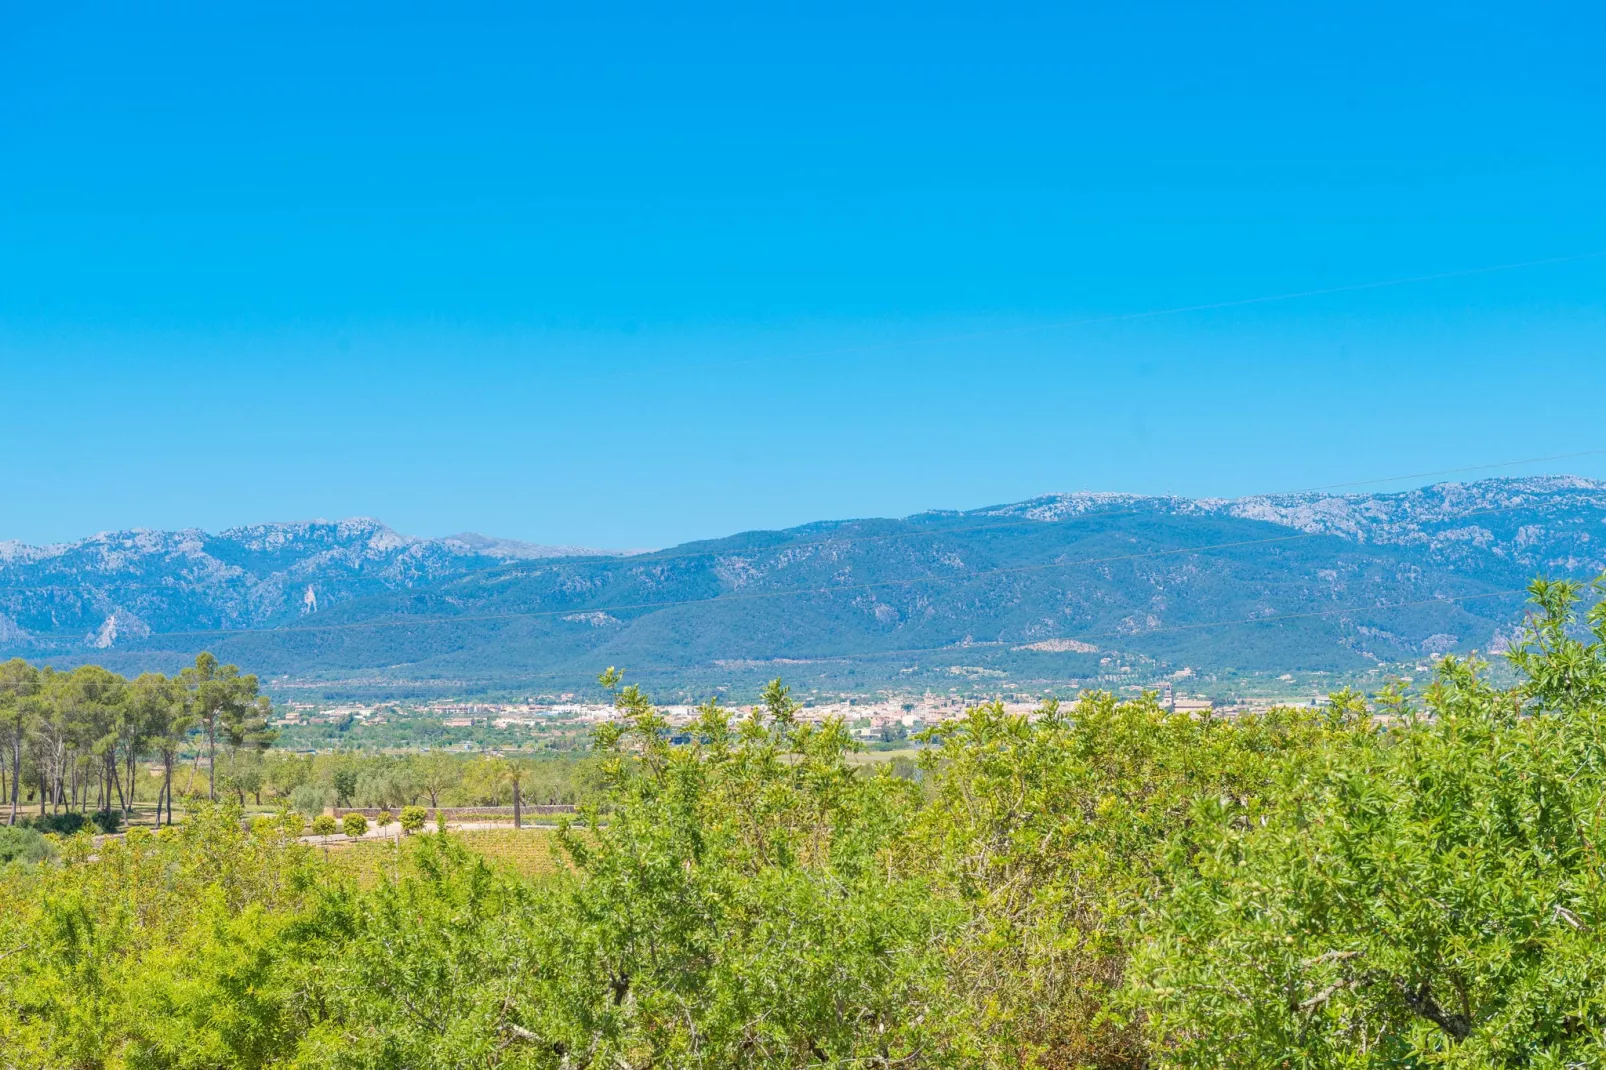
1536, 521
133, 583
1070, 587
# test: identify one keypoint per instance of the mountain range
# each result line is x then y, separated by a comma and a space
1062, 590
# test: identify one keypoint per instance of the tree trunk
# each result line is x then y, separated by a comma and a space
167, 790
16, 772
518, 813
211, 763
133, 778
121, 798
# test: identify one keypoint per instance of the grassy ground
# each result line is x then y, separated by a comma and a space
527, 852
144, 815
876, 757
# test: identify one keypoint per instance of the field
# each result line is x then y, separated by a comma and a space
527, 852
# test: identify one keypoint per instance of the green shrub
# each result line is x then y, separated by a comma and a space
1414, 881
384, 818
412, 818
355, 825
24, 845
309, 799
106, 821
64, 824
324, 825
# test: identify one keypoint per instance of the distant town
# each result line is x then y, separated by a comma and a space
875, 721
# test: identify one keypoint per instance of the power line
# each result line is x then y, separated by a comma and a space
1448, 472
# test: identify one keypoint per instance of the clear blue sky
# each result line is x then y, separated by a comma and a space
643, 275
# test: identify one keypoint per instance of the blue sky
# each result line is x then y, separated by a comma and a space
637, 275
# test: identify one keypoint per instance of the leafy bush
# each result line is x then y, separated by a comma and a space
324, 825
413, 818
1414, 882
383, 819
67, 823
19, 844
355, 825
107, 821
384, 788
1432, 894
309, 799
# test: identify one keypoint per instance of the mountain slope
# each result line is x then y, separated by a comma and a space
1056, 589
117, 586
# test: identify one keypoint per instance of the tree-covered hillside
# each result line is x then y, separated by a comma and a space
1069, 589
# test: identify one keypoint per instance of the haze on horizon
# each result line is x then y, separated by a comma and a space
629, 278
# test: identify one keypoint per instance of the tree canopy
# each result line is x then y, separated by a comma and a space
1407, 880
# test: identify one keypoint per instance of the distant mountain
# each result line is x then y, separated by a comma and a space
512, 549
118, 586
1060, 590
1545, 522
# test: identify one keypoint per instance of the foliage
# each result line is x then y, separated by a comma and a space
63, 824
355, 825
116, 944
1056, 832
1432, 893
75, 740
324, 825
309, 799
18, 844
413, 818
1413, 881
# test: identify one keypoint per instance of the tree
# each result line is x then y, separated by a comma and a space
514, 771
148, 713
224, 702
345, 785
91, 702
412, 819
168, 709
245, 727
19, 705
435, 772
284, 773
743, 904
1431, 893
